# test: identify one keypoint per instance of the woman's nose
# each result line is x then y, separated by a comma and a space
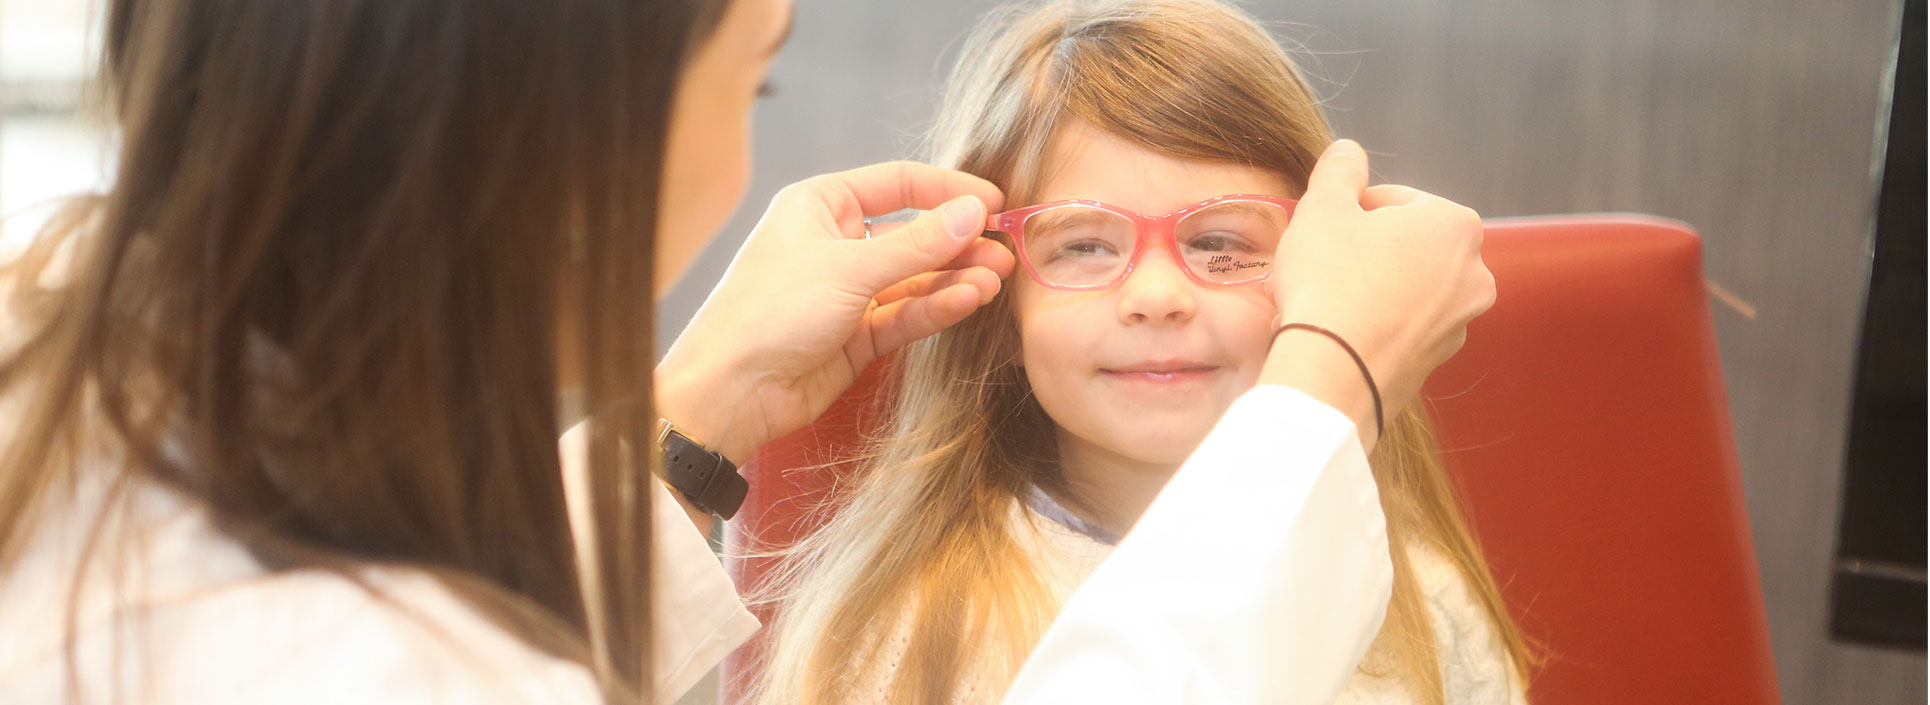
1156, 290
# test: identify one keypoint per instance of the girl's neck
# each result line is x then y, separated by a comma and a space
1106, 488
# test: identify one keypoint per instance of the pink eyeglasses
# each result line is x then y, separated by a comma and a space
1087, 245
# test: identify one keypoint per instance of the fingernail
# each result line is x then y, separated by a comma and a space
964, 216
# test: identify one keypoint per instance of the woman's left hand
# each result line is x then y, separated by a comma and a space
811, 300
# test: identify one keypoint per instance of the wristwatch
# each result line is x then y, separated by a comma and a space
701, 475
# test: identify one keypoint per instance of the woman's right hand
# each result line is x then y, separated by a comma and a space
1395, 271
811, 300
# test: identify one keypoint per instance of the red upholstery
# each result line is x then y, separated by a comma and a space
1586, 423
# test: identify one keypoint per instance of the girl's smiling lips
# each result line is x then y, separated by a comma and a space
1160, 372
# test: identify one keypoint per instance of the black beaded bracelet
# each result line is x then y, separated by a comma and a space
1380, 424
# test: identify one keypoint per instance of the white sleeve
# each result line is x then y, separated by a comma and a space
700, 619
698, 615
1260, 574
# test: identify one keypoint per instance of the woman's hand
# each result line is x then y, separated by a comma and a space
810, 300
1395, 271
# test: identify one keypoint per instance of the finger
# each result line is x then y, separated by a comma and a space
876, 229
988, 253
919, 285
899, 323
879, 189
1386, 195
926, 244
980, 278
983, 252
1339, 177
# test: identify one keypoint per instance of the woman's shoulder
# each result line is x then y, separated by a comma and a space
310, 636
182, 614
408, 636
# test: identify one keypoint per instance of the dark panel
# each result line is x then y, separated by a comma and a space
1879, 589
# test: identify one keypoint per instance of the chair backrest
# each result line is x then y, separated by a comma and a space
1586, 426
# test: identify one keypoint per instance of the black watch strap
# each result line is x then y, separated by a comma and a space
705, 477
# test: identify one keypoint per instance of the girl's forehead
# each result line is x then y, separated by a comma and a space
1082, 162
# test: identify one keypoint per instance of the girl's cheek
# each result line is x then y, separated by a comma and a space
1245, 318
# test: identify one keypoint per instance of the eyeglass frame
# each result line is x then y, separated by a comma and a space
1161, 227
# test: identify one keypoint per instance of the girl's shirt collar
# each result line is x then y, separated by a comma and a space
1045, 506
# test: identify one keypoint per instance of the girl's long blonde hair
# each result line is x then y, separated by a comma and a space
923, 531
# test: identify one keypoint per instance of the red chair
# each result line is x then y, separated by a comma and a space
1586, 424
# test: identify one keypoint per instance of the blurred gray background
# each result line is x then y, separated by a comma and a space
1753, 120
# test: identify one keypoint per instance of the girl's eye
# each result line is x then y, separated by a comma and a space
1217, 242
1082, 248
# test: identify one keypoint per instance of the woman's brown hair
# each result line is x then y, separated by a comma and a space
922, 544
323, 295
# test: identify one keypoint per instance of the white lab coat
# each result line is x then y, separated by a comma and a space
1178, 614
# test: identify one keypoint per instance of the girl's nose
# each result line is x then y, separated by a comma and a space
1156, 290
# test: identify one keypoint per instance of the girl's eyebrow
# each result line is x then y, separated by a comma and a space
1073, 216
1241, 207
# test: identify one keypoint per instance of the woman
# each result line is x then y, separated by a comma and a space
288, 396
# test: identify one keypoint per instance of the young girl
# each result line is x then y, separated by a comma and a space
1156, 145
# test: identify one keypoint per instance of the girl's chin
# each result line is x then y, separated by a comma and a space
1158, 448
